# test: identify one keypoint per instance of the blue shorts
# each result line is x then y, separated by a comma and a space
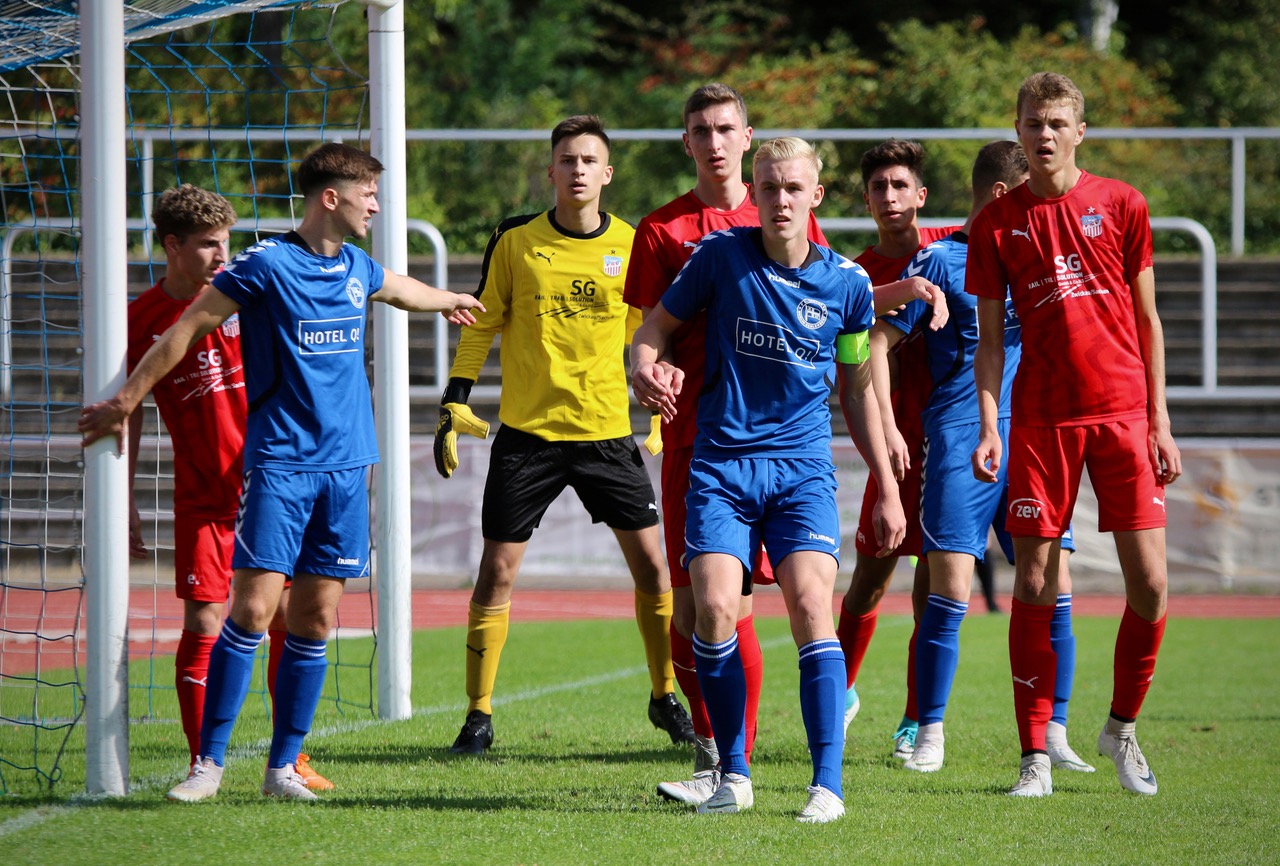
304, 522
734, 505
956, 509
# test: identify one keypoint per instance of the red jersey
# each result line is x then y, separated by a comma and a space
664, 241
1069, 265
202, 401
883, 269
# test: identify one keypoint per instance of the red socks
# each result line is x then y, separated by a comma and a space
753, 670
687, 676
855, 634
1137, 645
1034, 665
912, 710
275, 648
191, 670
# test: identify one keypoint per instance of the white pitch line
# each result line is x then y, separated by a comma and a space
43, 814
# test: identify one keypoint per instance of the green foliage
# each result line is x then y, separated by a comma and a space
572, 775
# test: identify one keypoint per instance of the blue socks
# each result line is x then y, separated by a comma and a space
937, 654
724, 690
1063, 641
822, 690
298, 685
230, 670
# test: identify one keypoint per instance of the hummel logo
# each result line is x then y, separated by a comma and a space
1026, 234
195, 681
541, 255
1031, 683
339, 268
478, 652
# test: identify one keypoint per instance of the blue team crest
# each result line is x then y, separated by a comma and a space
355, 291
1092, 224
612, 266
811, 314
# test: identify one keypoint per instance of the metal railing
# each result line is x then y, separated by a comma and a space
1237, 137
11, 233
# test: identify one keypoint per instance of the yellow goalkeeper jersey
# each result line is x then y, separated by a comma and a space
556, 298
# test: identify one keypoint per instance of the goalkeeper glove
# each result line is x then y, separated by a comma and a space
455, 417
653, 442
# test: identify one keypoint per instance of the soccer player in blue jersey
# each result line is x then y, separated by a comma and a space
309, 442
781, 312
956, 508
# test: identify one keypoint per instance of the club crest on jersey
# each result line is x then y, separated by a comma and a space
612, 266
355, 291
1092, 224
811, 314
231, 327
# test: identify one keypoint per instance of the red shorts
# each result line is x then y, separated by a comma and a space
1044, 478
675, 485
909, 493
910, 397
202, 557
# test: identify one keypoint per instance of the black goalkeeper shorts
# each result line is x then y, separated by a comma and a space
527, 473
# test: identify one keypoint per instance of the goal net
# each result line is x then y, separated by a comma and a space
225, 95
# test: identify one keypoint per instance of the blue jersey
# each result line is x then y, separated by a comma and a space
302, 326
771, 335
950, 350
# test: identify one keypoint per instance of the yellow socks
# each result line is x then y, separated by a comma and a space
486, 633
653, 616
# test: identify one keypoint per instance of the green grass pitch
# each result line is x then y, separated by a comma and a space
571, 778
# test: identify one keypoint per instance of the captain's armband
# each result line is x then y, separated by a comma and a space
853, 348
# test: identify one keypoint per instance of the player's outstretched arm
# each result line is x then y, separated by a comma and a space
882, 339
655, 381
891, 296
988, 374
110, 417
1166, 459
414, 296
858, 402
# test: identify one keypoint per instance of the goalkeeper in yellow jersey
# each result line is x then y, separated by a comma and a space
552, 287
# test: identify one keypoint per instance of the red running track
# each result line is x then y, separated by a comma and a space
155, 618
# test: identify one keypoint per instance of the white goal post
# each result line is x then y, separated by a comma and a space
105, 277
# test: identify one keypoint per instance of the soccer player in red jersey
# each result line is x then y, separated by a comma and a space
894, 191
1074, 251
716, 136
202, 402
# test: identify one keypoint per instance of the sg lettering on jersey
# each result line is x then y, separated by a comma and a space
330, 336
212, 359
1068, 264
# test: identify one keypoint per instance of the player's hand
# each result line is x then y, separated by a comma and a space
455, 417
986, 458
889, 522
933, 296
461, 313
137, 548
1166, 459
656, 386
105, 418
653, 442
899, 453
